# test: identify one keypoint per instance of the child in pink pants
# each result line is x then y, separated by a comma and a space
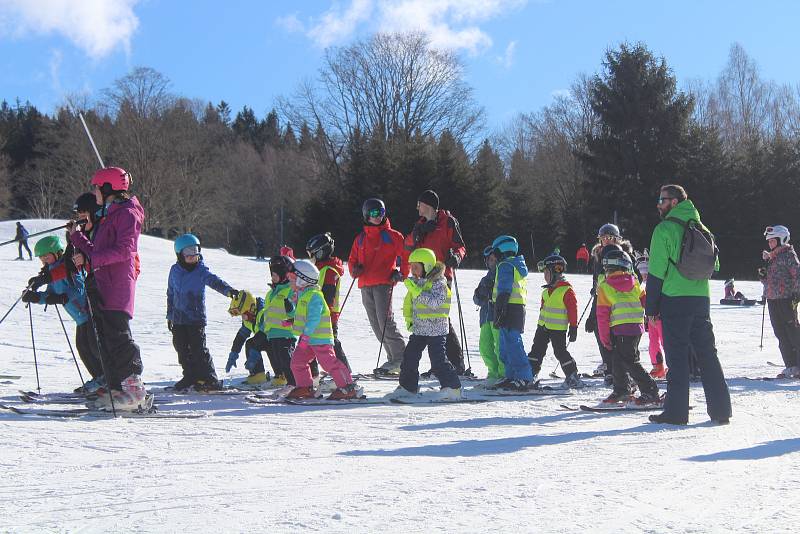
654, 331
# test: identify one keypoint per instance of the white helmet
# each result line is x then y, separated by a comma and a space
306, 272
779, 232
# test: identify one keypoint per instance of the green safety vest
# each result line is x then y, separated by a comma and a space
553, 314
322, 273
273, 313
324, 331
519, 290
626, 306
412, 306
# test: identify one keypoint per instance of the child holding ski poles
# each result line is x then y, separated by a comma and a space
66, 286
489, 342
186, 314
248, 307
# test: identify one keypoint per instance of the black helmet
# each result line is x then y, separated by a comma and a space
609, 229
281, 265
320, 247
617, 260
554, 263
372, 204
87, 202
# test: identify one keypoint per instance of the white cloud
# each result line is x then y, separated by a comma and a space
98, 27
507, 59
450, 24
55, 69
290, 23
561, 93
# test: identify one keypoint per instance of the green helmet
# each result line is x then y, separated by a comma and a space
425, 256
48, 245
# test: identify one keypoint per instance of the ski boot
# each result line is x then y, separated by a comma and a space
348, 392
300, 393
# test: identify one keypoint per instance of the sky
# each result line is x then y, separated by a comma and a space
518, 54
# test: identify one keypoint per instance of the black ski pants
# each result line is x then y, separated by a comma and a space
88, 350
121, 353
626, 362
783, 316
190, 343
541, 339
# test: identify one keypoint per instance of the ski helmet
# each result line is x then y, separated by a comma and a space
48, 245
425, 256
373, 207
610, 230
187, 241
643, 265
505, 245
615, 260
306, 271
488, 251
117, 179
281, 265
729, 282
320, 247
606, 249
555, 264
87, 203
779, 232
243, 303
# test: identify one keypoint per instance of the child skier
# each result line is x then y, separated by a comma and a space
186, 314
781, 278
66, 286
320, 251
489, 343
248, 307
620, 325
426, 310
558, 320
654, 330
314, 330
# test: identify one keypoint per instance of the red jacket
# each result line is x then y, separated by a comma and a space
377, 249
439, 235
582, 254
328, 285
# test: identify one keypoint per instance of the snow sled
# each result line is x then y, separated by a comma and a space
737, 302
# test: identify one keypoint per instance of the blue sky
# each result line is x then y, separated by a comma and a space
518, 53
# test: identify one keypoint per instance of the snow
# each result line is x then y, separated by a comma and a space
510, 465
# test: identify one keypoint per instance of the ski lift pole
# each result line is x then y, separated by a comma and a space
82, 221
91, 140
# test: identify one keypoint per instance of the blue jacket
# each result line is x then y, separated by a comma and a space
483, 297
186, 293
515, 313
74, 287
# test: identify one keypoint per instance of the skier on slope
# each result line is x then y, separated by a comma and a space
438, 230
320, 251
558, 319
186, 314
781, 278
620, 325
489, 343
376, 260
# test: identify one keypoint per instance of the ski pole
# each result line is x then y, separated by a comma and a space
33, 343
82, 221
341, 308
69, 344
763, 315
11, 308
100, 351
464, 343
383, 333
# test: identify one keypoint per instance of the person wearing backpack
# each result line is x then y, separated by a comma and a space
682, 259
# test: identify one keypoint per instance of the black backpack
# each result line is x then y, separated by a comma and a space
697, 258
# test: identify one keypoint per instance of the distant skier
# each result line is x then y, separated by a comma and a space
22, 241
730, 291
582, 259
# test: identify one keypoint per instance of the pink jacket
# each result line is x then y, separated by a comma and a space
620, 281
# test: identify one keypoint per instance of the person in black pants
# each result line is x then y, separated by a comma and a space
22, 241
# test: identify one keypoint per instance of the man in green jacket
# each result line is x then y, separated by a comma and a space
684, 307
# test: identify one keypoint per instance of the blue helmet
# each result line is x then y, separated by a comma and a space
186, 240
505, 244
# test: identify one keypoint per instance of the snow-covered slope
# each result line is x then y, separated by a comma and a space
515, 466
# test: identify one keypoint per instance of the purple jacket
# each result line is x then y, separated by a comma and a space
114, 255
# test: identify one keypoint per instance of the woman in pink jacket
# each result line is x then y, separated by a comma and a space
111, 252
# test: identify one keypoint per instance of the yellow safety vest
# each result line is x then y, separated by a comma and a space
553, 314
322, 273
519, 289
273, 313
412, 306
626, 308
323, 334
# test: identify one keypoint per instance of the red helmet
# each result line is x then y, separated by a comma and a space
118, 179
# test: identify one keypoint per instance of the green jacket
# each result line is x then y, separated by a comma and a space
665, 246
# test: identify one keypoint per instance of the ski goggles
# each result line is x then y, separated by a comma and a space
191, 250
377, 212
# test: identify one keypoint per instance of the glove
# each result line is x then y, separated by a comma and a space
233, 293
357, 270
501, 310
30, 296
591, 324
573, 333
55, 298
453, 260
232, 357
762, 273
169, 325
396, 276
39, 280
765, 255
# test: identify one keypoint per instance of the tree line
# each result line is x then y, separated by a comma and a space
389, 116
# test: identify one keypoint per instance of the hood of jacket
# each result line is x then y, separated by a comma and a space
621, 280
